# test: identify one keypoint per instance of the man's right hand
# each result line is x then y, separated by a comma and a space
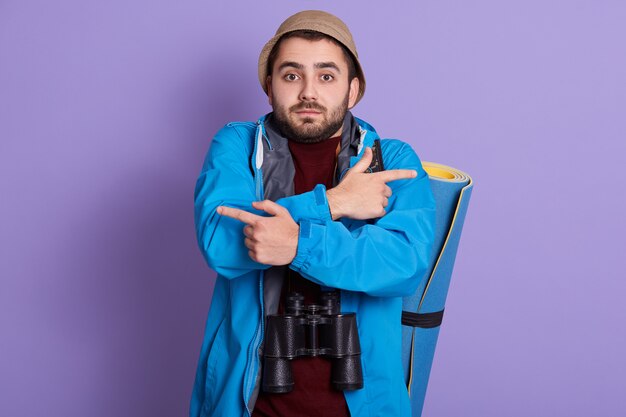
361, 195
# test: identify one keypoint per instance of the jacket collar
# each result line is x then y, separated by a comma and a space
273, 158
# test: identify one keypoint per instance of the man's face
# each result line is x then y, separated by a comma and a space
309, 89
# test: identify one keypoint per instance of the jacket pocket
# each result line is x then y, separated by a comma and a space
216, 352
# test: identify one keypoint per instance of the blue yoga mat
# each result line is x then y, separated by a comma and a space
452, 190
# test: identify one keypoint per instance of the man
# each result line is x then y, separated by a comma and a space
288, 204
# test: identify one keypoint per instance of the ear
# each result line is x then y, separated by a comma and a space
353, 92
268, 84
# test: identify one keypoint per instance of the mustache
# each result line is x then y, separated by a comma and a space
307, 106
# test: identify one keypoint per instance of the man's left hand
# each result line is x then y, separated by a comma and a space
270, 240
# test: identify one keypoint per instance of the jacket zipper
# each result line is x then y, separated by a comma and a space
252, 376
253, 356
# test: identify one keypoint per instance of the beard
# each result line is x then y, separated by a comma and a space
308, 130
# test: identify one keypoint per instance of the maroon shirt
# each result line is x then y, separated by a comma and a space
313, 394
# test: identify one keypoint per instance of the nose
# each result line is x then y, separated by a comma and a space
309, 90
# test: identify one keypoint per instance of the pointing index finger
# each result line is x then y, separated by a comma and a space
237, 214
396, 174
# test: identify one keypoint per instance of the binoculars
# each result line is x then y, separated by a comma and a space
312, 330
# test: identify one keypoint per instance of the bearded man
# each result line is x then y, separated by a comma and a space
290, 204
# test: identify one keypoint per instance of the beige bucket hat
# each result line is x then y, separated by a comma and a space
318, 21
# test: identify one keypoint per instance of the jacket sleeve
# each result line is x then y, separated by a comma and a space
226, 179
385, 258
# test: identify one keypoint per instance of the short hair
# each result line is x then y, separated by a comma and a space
312, 35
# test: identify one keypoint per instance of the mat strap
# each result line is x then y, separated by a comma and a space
423, 320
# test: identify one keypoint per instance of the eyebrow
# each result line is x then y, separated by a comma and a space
331, 64
319, 65
290, 64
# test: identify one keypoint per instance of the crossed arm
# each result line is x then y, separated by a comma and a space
381, 257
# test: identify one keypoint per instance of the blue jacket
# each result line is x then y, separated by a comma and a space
374, 263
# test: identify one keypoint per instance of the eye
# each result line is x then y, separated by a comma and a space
290, 77
327, 77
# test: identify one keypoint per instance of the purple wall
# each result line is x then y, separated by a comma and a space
107, 109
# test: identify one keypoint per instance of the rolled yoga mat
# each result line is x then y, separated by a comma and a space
423, 311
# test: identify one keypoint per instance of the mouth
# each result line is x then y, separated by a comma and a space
308, 109
308, 113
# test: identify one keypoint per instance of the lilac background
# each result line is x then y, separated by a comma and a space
107, 109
